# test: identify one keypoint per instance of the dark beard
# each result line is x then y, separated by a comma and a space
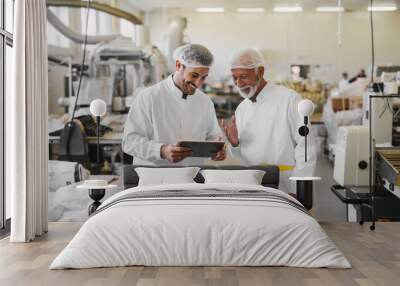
187, 86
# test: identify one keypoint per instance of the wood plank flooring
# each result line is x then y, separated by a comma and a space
375, 257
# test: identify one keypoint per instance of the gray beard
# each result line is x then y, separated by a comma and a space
252, 91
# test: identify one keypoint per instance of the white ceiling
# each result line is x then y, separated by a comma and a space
148, 5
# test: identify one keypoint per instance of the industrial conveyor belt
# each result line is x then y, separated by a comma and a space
388, 166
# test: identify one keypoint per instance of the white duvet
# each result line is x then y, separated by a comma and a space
200, 231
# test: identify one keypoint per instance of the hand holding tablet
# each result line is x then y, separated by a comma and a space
174, 153
203, 149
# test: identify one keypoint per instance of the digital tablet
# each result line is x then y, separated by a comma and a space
205, 149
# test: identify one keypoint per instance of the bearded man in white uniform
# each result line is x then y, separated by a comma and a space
173, 110
264, 129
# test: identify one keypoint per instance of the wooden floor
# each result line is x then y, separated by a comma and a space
375, 257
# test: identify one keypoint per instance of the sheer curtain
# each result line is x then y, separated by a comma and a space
26, 123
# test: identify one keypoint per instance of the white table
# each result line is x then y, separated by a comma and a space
96, 193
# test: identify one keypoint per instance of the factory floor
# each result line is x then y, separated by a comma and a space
327, 206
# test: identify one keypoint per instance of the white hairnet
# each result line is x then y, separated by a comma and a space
247, 59
193, 55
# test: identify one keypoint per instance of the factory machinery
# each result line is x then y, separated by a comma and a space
367, 161
114, 70
388, 169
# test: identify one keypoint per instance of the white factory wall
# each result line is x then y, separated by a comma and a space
284, 39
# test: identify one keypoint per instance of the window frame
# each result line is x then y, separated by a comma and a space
6, 39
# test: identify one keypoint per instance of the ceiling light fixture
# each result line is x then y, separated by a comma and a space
382, 8
211, 10
288, 9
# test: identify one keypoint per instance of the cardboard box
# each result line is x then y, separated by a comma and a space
340, 103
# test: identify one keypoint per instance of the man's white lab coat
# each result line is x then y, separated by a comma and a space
268, 134
159, 115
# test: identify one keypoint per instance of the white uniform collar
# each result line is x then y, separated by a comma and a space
173, 88
264, 92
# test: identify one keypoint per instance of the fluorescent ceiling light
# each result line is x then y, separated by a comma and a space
211, 10
250, 10
329, 9
284, 9
382, 8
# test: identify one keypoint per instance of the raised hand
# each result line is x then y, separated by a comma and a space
231, 131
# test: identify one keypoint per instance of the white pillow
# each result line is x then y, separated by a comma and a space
248, 177
165, 176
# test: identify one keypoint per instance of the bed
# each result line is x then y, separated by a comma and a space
199, 224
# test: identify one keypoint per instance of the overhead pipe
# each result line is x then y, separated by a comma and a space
97, 6
74, 36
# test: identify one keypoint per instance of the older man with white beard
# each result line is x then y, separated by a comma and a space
264, 129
